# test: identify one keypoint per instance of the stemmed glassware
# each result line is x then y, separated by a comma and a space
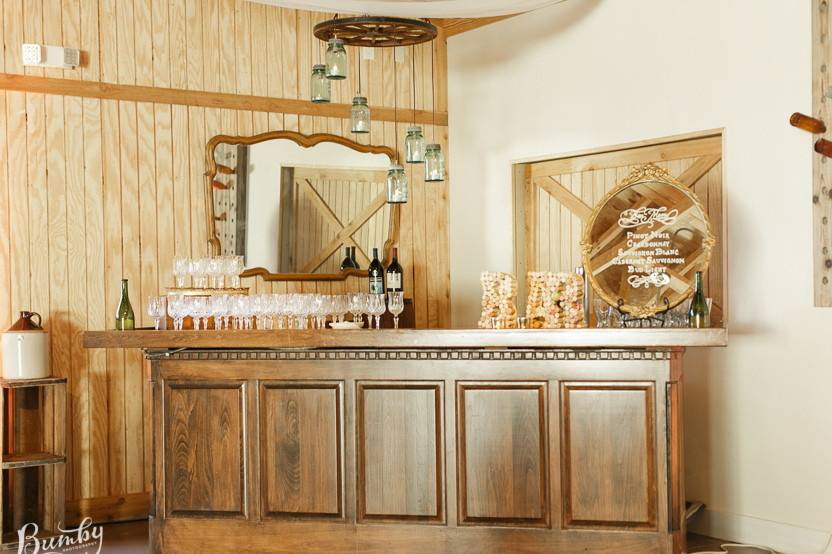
181, 270
157, 308
357, 305
395, 303
177, 310
376, 307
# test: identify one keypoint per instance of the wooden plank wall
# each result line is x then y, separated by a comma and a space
94, 190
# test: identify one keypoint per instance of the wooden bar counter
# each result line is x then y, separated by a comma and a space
416, 440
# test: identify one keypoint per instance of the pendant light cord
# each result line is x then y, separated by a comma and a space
413, 78
360, 54
395, 104
432, 92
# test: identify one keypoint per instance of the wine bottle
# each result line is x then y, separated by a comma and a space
347, 263
807, 123
376, 274
699, 316
125, 320
394, 274
352, 257
824, 147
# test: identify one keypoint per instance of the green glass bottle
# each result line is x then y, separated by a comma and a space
125, 320
699, 316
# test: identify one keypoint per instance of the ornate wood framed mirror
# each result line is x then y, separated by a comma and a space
644, 242
291, 203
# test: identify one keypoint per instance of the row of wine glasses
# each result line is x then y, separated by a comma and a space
217, 273
275, 311
609, 316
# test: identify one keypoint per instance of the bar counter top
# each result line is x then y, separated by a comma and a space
409, 338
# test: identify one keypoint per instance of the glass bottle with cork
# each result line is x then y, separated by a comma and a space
125, 320
699, 316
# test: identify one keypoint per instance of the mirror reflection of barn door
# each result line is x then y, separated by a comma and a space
323, 210
554, 198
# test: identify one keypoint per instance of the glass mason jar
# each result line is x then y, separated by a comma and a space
319, 85
434, 163
396, 185
360, 115
336, 60
414, 145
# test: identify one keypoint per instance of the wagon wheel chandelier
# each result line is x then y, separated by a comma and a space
377, 32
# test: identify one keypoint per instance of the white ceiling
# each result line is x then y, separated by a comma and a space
416, 8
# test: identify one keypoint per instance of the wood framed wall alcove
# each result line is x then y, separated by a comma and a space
101, 176
554, 196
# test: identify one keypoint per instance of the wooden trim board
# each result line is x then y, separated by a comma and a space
410, 338
181, 97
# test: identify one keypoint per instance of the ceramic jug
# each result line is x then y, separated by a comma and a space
25, 348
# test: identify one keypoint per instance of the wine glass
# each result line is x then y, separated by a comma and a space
177, 311
342, 306
156, 308
214, 268
356, 307
199, 312
395, 303
376, 307
233, 267
199, 269
181, 270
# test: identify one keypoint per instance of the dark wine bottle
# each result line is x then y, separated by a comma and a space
699, 316
125, 320
352, 257
347, 263
394, 274
807, 123
376, 274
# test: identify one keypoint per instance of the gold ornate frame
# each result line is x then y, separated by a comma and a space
306, 141
647, 173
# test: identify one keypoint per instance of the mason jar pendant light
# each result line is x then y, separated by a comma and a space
396, 177
319, 86
434, 164
414, 145
396, 185
360, 112
336, 60
360, 115
434, 159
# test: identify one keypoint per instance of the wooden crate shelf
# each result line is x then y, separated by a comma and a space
31, 459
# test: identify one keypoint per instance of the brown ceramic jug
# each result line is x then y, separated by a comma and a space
26, 322
25, 348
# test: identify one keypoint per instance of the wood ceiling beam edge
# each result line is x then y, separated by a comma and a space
136, 93
456, 26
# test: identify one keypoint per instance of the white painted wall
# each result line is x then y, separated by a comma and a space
590, 73
265, 160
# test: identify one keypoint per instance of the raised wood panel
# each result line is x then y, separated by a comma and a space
502, 453
301, 448
204, 449
400, 461
608, 457
88, 197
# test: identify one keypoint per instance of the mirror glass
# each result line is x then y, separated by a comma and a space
292, 209
644, 244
